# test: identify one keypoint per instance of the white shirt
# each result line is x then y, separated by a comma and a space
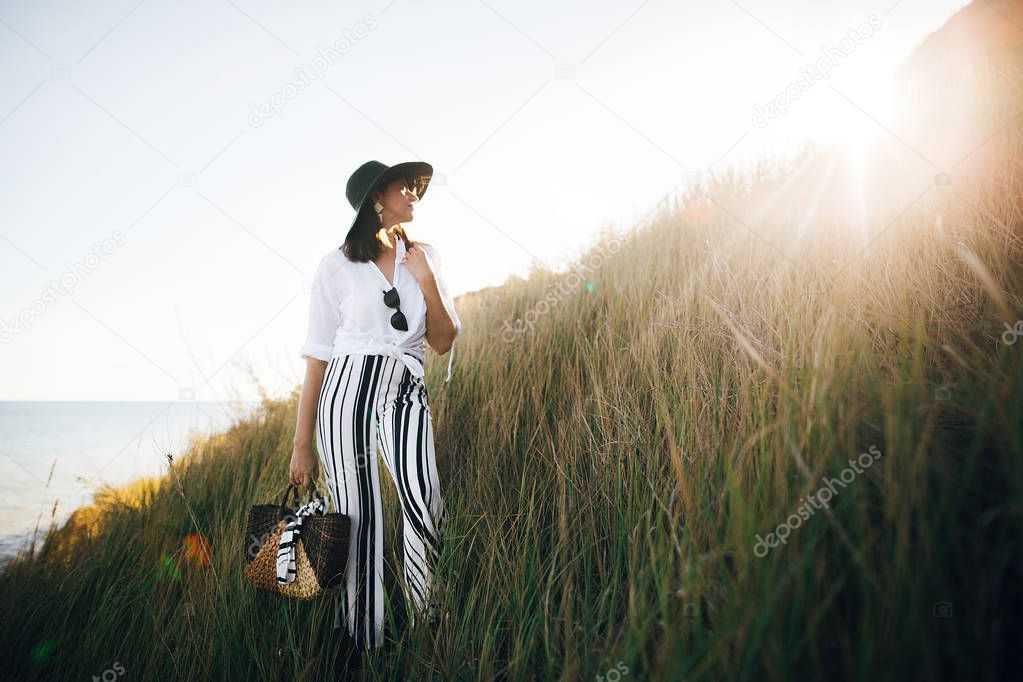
347, 312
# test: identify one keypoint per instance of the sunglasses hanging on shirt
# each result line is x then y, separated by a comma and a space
392, 300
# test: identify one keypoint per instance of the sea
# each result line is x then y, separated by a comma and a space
54, 456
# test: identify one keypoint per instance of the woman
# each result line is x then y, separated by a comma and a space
375, 300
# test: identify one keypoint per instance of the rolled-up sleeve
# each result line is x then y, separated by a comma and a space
324, 312
442, 286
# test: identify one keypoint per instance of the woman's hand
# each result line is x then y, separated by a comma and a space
303, 466
418, 264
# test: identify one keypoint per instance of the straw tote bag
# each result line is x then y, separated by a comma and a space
313, 555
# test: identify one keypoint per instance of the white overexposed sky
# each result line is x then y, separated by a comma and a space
186, 227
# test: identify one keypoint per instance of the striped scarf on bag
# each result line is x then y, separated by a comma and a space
289, 539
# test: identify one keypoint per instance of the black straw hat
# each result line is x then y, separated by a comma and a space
374, 175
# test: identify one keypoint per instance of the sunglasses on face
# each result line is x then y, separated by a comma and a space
415, 184
410, 184
392, 300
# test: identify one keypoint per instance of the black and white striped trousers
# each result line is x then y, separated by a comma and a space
365, 401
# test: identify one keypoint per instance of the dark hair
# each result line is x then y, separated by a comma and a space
361, 244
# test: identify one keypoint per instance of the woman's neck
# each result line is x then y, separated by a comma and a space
389, 237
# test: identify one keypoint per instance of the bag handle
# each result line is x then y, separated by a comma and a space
292, 486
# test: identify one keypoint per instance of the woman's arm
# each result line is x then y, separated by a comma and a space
303, 460
324, 320
440, 323
314, 370
443, 324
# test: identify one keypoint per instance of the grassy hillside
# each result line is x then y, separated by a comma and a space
612, 462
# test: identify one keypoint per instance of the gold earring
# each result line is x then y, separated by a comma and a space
379, 208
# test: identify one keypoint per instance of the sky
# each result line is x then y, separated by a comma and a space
175, 171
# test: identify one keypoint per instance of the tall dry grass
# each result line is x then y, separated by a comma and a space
609, 469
